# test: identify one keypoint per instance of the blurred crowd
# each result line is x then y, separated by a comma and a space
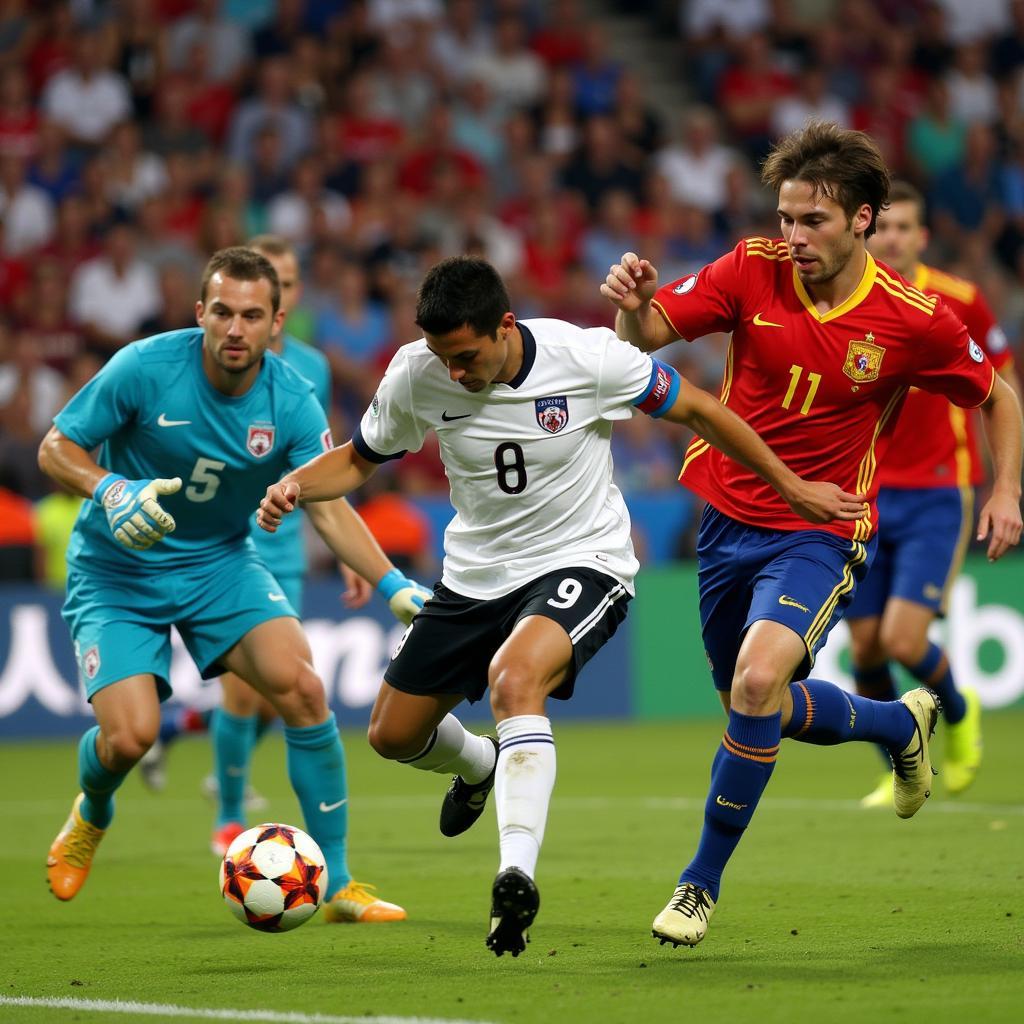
139, 136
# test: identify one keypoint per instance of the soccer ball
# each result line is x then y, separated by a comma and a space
273, 877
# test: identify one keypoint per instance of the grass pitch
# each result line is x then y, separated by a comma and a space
827, 912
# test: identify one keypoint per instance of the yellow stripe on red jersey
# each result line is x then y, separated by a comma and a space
935, 443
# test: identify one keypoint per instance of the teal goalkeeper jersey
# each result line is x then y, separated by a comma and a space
155, 414
284, 551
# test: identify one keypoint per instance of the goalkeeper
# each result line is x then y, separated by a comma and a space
192, 426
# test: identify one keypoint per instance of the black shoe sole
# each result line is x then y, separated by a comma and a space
515, 901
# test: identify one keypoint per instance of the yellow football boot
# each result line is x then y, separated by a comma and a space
963, 746
71, 853
356, 904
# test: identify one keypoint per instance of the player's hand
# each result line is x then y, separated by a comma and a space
818, 501
357, 590
280, 499
630, 283
134, 515
1001, 519
405, 597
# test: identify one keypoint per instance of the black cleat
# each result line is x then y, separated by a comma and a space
465, 802
514, 904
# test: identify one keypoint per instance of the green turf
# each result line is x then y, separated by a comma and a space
828, 912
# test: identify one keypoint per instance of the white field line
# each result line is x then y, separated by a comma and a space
158, 806
202, 1013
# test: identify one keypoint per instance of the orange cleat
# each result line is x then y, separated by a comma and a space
225, 836
355, 904
71, 853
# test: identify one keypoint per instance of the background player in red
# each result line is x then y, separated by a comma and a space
926, 510
825, 344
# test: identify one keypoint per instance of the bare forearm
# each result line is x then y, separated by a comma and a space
1004, 429
331, 475
643, 328
69, 464
705, 415
348, 537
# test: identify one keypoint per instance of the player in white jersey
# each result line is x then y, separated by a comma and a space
538, 565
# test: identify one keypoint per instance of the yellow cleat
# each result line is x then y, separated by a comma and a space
684, 922
881, 795
356, 904
963, 746
71, 853
912, 766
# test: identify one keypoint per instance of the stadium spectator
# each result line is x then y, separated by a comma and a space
596, 75
141, 53
28, 212
112, 294
19, 118
461, 40
598, 166
309, 208
43, 324
54, 169
132, 174
967, 198
512, 71
697, 166
810, 101
227, 41
935, 137
88, 98
972, 91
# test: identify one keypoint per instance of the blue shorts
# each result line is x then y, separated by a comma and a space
121, 626
293, 587
803, 579
922, 537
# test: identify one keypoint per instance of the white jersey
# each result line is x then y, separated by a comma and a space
529, 462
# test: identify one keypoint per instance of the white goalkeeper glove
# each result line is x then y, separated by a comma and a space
405, 597
134, 515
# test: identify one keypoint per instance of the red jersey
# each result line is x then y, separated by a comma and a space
822, 389
935, 443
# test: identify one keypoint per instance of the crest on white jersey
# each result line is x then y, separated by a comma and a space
260, 441
552, 413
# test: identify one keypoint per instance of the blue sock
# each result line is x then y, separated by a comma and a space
233, 740
877, 684
825, 714
316, 767
954, 707
740, 771
98, 782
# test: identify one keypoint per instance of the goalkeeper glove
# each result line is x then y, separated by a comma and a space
405, 597
134, 515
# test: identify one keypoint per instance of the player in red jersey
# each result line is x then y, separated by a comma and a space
926, 510
825, 344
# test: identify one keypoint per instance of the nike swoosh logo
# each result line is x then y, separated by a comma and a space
277, 597
790, 603
326, 808
163, 421
759, 322
448, 419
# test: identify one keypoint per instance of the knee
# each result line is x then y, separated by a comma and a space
301, 700
392, 741
904, 647
757, 688
125, 745
515, 688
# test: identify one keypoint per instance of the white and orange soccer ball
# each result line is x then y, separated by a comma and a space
273, 877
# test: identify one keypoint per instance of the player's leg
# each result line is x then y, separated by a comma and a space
563, 619
872, 675
233, 736
174, 724
128, 717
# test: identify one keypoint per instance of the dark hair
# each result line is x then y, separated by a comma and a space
903, 192
844, 165
462, 290
271, 245
243, 264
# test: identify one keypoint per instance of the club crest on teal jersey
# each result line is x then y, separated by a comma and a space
260, 441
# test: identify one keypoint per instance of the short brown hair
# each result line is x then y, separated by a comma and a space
271, 245
904, 192
243, 264
842, 164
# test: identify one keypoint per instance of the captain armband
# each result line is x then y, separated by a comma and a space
660, 394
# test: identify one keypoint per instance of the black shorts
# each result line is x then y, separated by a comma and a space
450, 644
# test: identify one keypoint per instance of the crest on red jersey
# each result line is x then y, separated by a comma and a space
863, 360
260, 441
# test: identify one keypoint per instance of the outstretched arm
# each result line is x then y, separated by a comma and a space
1000, 518
815, 501
630, 285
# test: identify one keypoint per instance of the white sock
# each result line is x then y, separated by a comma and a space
453, 751
522, 788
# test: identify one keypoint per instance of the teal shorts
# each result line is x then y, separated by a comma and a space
121, 625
